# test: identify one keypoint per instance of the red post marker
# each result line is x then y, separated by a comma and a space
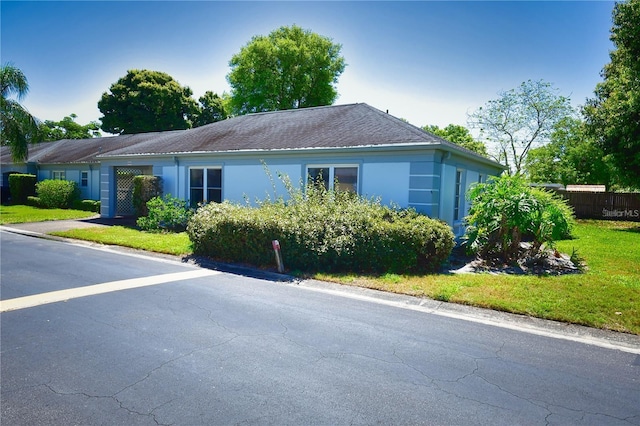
276, 249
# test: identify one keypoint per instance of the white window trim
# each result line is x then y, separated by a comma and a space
332, 167
205, 187
62, 175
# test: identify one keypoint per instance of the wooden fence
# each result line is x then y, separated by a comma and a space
604, 205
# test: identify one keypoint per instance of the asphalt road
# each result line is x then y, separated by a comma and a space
160, 342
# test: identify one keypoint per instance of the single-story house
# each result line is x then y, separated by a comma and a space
365, 149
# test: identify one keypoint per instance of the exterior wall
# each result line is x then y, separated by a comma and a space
419, 178
471, 173
108, 188
73, 172
387, 180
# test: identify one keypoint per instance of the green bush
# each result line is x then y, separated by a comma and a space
166, 214
507, 210
144, 189
322, 230
87, 205
34, 202
60, 194
21, 186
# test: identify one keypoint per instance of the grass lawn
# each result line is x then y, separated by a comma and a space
606, 296
175, 244
22, 214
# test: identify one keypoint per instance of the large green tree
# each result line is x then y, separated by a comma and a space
211, 108
459, 135
67, 128
519, 120
289, 68
570, 158
613, 116
18, 128
146, 101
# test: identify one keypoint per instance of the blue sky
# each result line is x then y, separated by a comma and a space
430, 62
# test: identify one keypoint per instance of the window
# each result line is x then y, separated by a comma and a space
340, 178
84, 179
58, 175
480, 177
205, 185
457, 201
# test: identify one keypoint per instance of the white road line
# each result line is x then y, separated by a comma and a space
74, 293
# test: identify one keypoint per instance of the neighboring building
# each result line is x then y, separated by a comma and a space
586, 188
366, 150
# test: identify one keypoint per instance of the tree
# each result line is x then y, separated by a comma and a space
519, 120
459, 135
212, 108
67, 128
289, 68
146, 101
613, 116
18, 128
572, 157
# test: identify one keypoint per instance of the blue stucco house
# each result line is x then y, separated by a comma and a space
366, 150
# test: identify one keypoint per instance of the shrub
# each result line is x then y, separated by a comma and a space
59, 194
21, 186
322, 230
34, 202
87, 205
506, 210
144, 189
166, 214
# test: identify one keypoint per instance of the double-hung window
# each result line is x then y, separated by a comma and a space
205, 185
340, 178
58, 175
84, 179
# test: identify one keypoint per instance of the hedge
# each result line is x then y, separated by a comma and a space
22, 186
323, 231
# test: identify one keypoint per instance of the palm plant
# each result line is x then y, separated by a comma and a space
17, 126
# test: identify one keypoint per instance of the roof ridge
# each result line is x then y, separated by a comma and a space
290, 110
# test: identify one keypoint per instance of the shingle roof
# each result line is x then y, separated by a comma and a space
341, 126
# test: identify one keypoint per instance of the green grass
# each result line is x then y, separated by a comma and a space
23, 214
174, 244
606, 296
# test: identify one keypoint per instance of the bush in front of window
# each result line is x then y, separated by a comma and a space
21, 186
166, 214
60, 194
322, 230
